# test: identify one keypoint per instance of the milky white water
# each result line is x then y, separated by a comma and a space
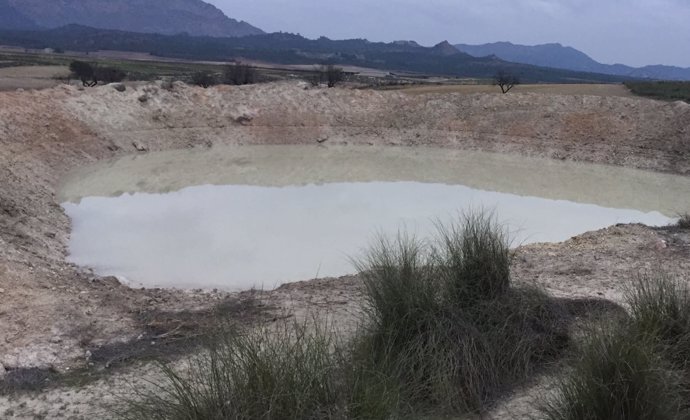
242, 217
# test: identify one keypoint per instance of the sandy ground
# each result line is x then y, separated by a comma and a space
54, 315
31, 77
615, 90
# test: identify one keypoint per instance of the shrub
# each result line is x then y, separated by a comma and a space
684, 221
204, 79
91, 74
619, 375
84, 72
330, 74
239, 74
445, 326
287, 373
109, 74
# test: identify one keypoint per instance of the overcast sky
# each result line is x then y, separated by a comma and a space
633, 32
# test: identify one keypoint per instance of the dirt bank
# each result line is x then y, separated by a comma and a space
52, 313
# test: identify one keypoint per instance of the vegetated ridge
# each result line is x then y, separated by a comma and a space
284, 48
568, 58
194, 17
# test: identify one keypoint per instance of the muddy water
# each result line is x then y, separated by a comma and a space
259, 216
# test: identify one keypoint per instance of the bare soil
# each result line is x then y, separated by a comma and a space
55, 317
31, 77
615, 90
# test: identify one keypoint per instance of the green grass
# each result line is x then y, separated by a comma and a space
444, 324
618, 376
637, 368
289, 372
671, 91
660, 310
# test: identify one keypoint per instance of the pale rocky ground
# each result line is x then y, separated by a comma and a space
52, 313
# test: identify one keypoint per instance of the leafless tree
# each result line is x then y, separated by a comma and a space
505, 81
334, 75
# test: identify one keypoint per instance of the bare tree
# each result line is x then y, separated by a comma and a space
91, 74
330, 74
334, 75
84, 72
505, 81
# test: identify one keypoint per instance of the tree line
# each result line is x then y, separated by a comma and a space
91, 74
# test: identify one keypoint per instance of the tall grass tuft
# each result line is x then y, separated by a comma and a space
660, 309
444, 324
619, 376
637, 368
472, 259
286, 373
684, 221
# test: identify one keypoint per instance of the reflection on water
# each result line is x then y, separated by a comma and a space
241, 236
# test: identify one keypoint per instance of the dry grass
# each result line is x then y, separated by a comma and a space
31, 77
549, 89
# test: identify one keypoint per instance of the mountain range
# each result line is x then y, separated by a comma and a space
285, 48
568, 58
194, 17
195, 29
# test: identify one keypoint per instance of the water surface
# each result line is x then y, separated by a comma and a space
243, 217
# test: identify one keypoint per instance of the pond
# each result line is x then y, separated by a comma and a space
258, 216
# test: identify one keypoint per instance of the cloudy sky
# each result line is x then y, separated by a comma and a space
633, 32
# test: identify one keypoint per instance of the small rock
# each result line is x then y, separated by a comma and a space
111, 281
118, 87
140, 147
87, 355
244, 119
143, 98
2, 291
56, 340
3, 372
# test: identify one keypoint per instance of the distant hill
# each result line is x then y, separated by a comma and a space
568, 58
194, 17
283, 48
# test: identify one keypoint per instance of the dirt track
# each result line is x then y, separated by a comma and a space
51, 313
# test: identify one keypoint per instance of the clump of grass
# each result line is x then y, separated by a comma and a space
445, 325
472, 259
637, 368
684, 221
619, 376
287, 373
660, 309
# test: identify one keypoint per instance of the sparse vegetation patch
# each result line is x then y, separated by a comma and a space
444, 332
635, 368
672, 91
445, 324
